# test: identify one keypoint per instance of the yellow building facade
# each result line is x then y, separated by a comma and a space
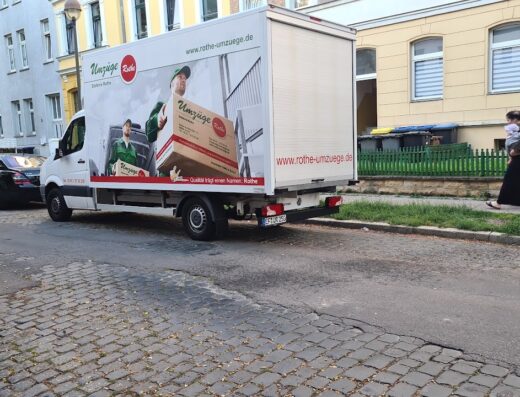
108, 23
478, 50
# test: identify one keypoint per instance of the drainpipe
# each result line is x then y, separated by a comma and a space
123, 25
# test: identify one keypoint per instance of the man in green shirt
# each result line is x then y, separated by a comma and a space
122, 149
157, 118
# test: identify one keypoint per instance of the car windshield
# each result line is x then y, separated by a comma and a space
23, 161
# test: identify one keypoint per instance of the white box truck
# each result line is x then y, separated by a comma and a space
249, 116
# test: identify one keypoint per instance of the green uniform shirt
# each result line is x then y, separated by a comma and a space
152, 124
121, 152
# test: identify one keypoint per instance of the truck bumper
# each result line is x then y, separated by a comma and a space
300, 215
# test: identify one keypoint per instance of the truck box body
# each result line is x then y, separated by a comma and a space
268, 106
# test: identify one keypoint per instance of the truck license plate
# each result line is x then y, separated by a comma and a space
273, 220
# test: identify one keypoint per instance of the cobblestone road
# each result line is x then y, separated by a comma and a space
102, 330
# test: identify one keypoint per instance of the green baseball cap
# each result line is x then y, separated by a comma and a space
184, 70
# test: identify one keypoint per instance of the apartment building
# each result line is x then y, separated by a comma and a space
434, 61
105, 23
30, 104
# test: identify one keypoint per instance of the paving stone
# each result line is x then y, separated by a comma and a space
249, 390
433, 390
374, 389
494, 370
471, 390
431, 368
399, 369
485, 380
451, 352
360, 372
94, 386
443, 358
512, 380
221, 388
464, 368
417, 378
505, 391
302, 391
379, 361
266, 379
286, 366
64, 387
331, 373
402, 390
278, 355
389, 338
329, 393
347, 362
318, 382
343, 386
452, 378
386, 377
35, 390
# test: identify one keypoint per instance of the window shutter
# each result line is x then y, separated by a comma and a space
506, 69
428, 78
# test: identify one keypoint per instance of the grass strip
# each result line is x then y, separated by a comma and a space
459, 217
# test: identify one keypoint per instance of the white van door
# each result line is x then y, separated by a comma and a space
73, 166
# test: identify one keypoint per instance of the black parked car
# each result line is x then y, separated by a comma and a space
19, 179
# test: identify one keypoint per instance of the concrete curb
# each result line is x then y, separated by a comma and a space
492, 237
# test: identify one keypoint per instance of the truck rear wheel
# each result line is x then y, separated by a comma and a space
197, 220
57, 207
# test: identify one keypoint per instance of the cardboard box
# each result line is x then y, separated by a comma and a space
196, 141
124, 169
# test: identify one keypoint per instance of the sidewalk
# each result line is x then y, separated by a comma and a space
475, 204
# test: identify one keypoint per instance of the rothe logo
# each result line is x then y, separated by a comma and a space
128, 69
218, 127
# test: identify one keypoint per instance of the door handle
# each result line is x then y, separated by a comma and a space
81, 161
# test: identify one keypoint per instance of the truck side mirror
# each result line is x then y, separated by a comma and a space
58, 154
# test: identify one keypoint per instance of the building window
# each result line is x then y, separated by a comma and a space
505, 58
69, 26
3, 3
23, 49
365, 64
75, 100
209, 10
172, 14
250, 4
1, 127
140, 19
46, 34
55, 110
427, 69
29, 111
10, 52
17, 118
96, 24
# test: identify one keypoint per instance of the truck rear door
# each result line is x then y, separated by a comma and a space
313, 82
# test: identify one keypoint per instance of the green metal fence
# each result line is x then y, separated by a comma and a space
441, 160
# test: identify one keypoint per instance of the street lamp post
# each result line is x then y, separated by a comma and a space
72, 11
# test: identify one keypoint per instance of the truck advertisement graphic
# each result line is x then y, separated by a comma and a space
189, 115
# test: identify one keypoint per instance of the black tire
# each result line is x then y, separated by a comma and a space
56, 206
197, 220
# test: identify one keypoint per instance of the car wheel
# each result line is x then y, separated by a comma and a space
56, 206
197, 220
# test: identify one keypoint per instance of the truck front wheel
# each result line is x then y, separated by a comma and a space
197, 220
56, 206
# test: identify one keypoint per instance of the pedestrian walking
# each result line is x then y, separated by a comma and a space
510, 190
